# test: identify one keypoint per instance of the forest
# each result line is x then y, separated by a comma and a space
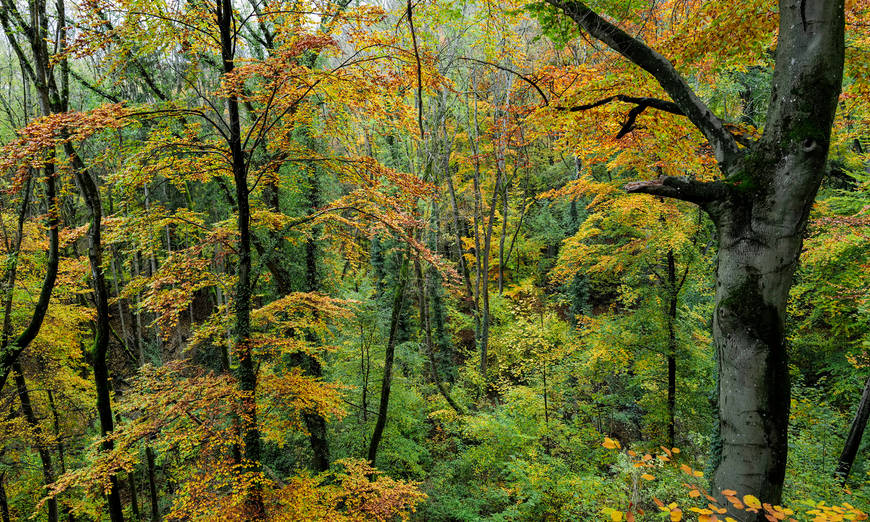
434, 260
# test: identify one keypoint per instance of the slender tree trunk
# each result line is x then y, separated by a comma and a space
120, 304
672, 346
131, 483
152, 484
61, 453
364, 373
10, 351
853, 440
387, 381
487, 244
91, 194
4, 502
33, 422
547, 441
18, 372
314, 422
504, 222
426, 324
478, 216
246, 372
456, 220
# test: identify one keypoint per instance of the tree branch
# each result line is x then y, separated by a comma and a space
419, 72
724, 146
641, 105
681, 188
511, 71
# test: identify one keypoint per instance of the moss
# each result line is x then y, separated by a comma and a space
748, 306
804, 129
743, 181
745, 177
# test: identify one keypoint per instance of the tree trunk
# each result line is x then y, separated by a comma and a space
672, 346
314, 422
33, 422
152, 484
61, 454
458, 230
505, 209
4, 502
387, 380
246, 371
426, 325
91, 195
487, 244
856, 431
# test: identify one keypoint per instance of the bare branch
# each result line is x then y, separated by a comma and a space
509, 70
419, 72
641, 105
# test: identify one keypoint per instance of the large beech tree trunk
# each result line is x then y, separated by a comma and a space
760, 209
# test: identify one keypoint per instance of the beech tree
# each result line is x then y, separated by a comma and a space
760, 208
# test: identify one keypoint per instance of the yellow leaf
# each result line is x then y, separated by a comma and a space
610, 443
752, 502
647, 476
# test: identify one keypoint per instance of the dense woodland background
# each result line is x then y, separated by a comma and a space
327, 261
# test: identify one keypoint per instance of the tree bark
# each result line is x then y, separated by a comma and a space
314, 422
458, 230
505, 209
426, 324
10, 351
61, 454
487, 245
853, 440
